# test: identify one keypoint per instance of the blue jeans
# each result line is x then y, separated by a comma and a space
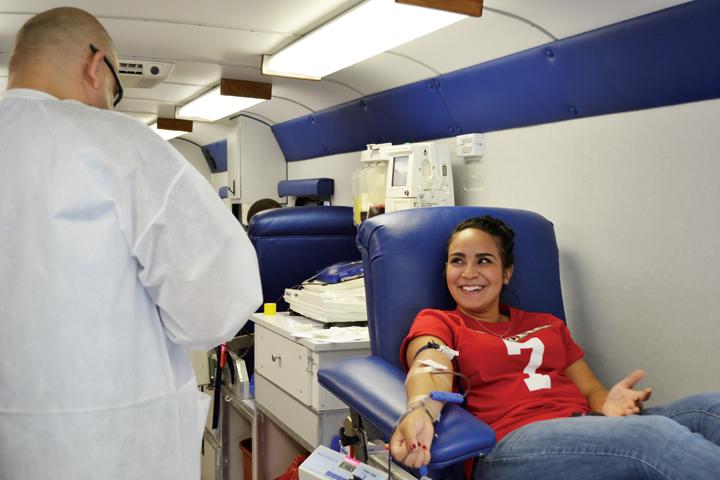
678, 441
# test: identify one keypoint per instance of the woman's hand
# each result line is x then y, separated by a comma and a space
410, 444
622, 400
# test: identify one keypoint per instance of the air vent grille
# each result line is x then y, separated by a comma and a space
143, 73
131, 68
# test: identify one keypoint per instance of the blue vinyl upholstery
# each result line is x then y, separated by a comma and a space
293, 244
307, 187
216, 156
404, 254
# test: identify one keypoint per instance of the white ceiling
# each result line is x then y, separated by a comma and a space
220, 38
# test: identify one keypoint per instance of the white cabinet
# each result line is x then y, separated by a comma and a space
284, 362
255, 162
286, 387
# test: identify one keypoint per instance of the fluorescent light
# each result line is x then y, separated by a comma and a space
166, 134
231, 96
212, 106
169, 128
365, 31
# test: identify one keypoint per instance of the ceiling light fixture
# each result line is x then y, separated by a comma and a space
229, 97
169, 128
372, 27
472, 8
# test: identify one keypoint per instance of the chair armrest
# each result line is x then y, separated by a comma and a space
376, 390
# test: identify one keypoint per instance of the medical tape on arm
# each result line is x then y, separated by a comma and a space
430, 366
417, 399
433, 368
418, 371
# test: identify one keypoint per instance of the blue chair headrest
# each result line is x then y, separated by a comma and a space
404, 254
308, 187
293, 244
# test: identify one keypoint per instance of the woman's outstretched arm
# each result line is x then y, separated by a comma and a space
410, 444
620, 400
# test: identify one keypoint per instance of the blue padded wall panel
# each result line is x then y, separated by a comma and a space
299, 139
338, 129
663, 58
355, 132
521, 89
410, 113
650, 61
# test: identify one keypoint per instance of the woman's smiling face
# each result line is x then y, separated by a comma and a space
475, 273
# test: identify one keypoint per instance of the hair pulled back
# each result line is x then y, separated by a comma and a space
495, 227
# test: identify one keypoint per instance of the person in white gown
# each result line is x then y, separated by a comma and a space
117, 257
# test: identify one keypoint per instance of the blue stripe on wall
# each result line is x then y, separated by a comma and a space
664, 58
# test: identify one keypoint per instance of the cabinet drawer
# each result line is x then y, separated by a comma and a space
285, 363
313, 428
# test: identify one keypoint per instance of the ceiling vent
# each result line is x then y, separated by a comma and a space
143, 73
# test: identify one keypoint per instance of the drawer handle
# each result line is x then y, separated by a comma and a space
275, 357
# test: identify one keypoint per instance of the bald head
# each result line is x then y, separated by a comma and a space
57, 33
52, 48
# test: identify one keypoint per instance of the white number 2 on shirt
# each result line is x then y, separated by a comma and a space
535, 381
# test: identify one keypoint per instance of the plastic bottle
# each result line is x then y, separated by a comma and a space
369, 184
355, 185
375, 178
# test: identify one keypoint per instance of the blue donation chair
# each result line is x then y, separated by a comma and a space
294, 243
404, 255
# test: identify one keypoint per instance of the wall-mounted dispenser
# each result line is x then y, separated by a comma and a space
471, 147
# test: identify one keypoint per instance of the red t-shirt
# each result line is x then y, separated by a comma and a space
514, 380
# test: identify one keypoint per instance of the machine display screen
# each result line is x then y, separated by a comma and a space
400, 171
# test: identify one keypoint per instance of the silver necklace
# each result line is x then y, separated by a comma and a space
501, 336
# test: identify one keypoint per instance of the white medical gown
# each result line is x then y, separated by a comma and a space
116, 257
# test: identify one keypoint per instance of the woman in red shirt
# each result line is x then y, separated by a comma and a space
552, 416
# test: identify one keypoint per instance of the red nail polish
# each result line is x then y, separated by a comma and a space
424, 447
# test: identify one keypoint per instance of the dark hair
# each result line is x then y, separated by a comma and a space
260, 205
495, 227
